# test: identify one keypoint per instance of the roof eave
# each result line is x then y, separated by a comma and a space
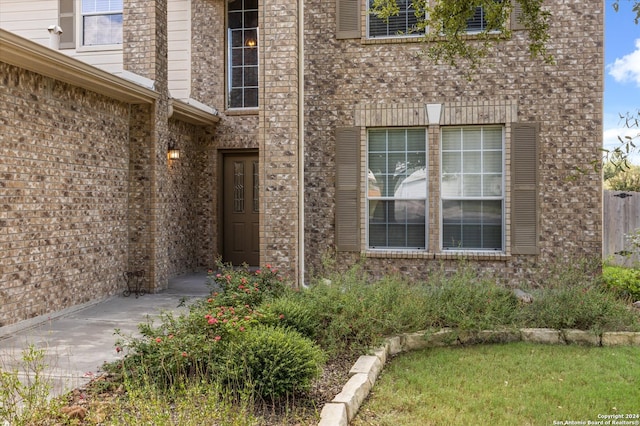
26, 54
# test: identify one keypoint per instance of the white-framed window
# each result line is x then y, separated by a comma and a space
101, 22
242, 61
472, 188
397, 188
402, 25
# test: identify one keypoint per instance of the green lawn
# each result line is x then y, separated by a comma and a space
510, 384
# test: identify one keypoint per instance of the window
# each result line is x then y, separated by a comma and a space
472, 192
401, 25
242, 39
101, 22
397, 188
478, 23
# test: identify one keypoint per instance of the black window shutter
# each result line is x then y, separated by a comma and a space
347, 213
524, 183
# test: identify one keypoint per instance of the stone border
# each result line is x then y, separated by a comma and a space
363, 374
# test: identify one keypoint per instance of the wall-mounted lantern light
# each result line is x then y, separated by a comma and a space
173, 153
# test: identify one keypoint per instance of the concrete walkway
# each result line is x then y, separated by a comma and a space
78, 342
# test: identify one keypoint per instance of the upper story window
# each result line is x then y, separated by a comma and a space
478, 23
101, 22
402, 25
242, 61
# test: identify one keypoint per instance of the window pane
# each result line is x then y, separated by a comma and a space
234, 4
377, 141
472, 185
416, 236
251, 56
394, 172
397, 140
378, 235
416, 140
237, 57
492, 212
97, 6
451, 162
492, 162
471, 139
471, 162
477, 22
451, 139
452, 185
492, 237
400, 25
236, 77
250, 38
251, 19
472, 225
235, 98
102, 29
492, 138
409, 211
377, 164
235, 20
236, 38
251, 76
413, 185
375, 186
250, 98
492, 185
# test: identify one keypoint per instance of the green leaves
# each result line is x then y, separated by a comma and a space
446, 26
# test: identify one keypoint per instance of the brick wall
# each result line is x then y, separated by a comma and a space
343, 76
63, 195
278, 134
145, 53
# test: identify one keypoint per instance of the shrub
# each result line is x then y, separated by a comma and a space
624, 281
290, 311
240, 286
354, 312
274, 361
181, 346
584, 307
467, 303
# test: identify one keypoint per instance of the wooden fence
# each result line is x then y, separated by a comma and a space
621, 218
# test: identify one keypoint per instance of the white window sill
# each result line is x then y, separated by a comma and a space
99, 48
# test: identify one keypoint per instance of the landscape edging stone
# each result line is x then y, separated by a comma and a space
344, 407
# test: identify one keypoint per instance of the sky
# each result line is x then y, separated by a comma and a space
622, 72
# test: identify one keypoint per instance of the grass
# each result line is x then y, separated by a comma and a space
518, 383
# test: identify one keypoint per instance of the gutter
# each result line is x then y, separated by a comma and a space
191, 111
26, 54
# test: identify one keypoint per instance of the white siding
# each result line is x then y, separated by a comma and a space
31, 18
179, 35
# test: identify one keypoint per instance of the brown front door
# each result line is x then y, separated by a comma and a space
240, 201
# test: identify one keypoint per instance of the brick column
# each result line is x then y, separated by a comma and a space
278, 134
145, 53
